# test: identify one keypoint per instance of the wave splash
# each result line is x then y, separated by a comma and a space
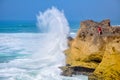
47, 57
54, 24
55, 27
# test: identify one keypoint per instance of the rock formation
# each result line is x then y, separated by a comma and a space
90, 52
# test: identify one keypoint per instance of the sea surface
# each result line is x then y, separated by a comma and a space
33, 50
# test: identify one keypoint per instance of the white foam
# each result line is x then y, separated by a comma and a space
116, 25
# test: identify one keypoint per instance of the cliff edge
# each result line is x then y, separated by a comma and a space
94, 54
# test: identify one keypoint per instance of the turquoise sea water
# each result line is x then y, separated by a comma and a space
18, 27
28, 27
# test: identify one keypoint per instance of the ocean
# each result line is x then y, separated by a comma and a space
34, 50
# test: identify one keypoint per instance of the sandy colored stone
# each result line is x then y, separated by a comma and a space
100, 52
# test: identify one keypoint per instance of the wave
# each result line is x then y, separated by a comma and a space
45, 50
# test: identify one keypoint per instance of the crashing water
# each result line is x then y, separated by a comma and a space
36, 56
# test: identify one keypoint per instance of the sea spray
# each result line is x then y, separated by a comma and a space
54, 24
55, 27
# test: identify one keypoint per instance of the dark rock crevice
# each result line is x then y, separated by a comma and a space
76, 70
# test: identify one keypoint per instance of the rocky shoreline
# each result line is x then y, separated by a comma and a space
93, 54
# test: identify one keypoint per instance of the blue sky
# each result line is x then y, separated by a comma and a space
75, 10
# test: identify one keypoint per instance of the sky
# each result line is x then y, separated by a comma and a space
74, 10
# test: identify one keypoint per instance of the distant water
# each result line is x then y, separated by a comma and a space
34, 51
18, 27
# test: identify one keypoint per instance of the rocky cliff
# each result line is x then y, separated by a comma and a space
91, 52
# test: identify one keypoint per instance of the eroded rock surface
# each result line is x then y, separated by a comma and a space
90, 50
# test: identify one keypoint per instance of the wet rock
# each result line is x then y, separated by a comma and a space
76, 70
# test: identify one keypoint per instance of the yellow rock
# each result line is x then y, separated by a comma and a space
99, 52
109, 68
